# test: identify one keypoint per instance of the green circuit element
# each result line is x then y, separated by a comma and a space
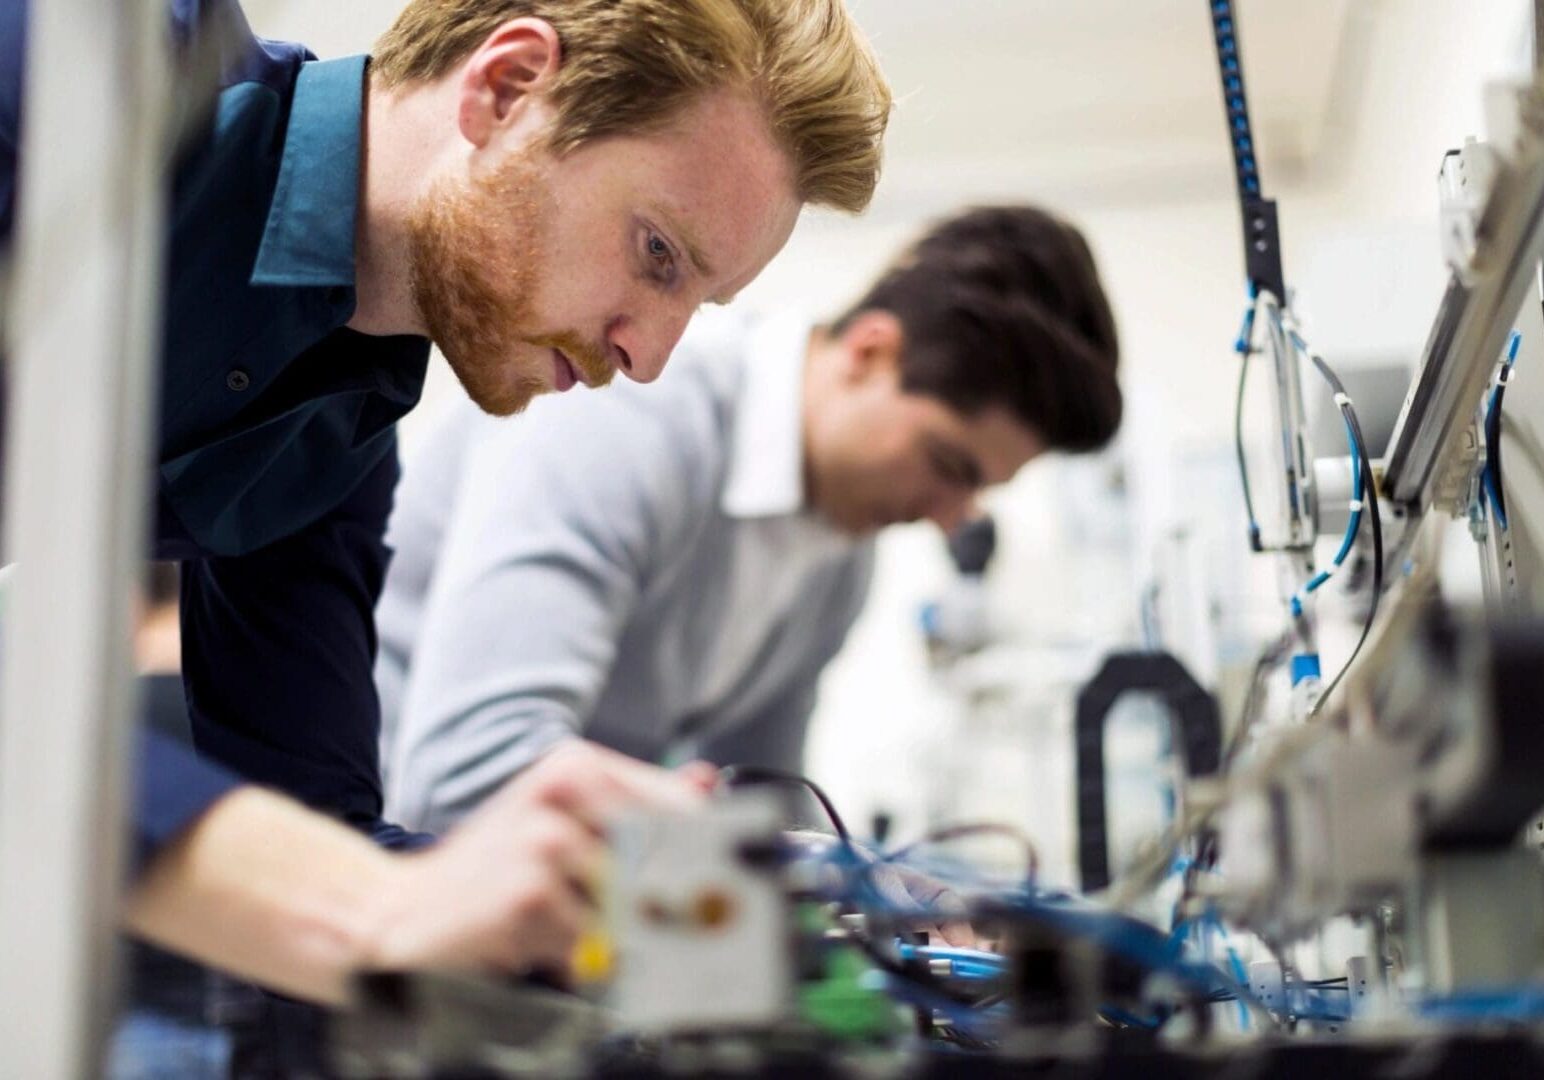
841, 1006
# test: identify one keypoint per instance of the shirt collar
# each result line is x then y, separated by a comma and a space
766, 460
309, 237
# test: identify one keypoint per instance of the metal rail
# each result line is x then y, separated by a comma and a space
87, 279
1471, 327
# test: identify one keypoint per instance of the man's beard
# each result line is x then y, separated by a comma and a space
474, 291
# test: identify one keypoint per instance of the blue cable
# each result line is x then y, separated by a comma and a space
1235, 964
963, 963
1353, 524
1518, 1003
1488, 478
950, 952
978, 1023
1347, 541
1117, 1015
1246, 330
1187, 927
1306, 1003
1488, 482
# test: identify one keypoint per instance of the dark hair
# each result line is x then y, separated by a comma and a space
1003, 306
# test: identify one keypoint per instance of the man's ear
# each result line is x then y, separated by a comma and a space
517, 63
872, 342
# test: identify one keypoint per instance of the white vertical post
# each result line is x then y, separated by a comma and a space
85, 323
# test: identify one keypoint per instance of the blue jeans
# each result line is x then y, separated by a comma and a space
152, 1046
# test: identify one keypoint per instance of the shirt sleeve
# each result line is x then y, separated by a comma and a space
173, 787
278, 647
13, 35
562, 518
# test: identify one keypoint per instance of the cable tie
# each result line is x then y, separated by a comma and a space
1356, 506
1342, 400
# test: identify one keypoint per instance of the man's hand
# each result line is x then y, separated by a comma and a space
948, 919
510, 889
906, 889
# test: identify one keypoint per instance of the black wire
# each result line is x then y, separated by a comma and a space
741, 775
1220, 996
1370, 496
975, 828
1493, 448
1238, 446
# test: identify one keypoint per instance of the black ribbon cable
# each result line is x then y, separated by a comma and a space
1262, 239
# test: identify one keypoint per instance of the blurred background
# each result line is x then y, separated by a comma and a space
1109, 112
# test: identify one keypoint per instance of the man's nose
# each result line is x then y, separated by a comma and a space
641, 345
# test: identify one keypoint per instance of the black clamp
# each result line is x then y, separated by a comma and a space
1195, 728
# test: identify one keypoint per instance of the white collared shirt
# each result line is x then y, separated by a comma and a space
635, 565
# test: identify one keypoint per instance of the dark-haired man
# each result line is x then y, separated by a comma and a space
668, 572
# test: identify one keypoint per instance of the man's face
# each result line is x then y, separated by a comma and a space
534, 272
878, 455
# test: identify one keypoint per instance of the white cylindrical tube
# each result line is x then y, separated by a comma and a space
1333, 481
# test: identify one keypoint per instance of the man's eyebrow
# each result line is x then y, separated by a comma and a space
962, 462
693, 250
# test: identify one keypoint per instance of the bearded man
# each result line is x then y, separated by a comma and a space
547, 189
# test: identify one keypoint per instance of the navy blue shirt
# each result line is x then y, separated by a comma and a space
276, 455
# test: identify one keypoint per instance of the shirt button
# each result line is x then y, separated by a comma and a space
237, 380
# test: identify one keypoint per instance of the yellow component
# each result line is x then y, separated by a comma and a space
593, 957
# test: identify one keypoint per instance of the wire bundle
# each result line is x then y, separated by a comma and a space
969, 995
1366, 486
1364, 492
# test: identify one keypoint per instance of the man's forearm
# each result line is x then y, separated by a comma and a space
269, 890
264, 888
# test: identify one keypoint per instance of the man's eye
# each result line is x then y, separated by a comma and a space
953, 472
659, 251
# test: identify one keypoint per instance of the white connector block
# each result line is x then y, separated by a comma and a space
700, 933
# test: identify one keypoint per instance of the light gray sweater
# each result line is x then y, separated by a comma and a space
634, 565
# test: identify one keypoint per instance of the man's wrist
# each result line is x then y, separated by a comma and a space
383, 927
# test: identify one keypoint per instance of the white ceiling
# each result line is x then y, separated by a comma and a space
1079, 101
1086, 101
